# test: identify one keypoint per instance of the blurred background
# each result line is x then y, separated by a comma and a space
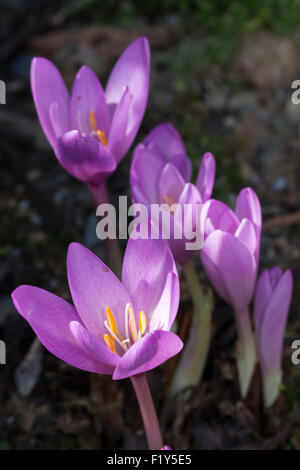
221, 73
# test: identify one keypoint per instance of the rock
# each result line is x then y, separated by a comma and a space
268, 61
28, 371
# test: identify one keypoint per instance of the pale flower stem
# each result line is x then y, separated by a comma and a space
245, 351
112, 247
148, 412
193, 358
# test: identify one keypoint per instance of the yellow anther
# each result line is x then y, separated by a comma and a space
102, 137
93, 122
142, 322
109, 342
111, 321
132, 324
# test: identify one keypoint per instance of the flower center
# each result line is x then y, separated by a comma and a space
100, 135
131, 332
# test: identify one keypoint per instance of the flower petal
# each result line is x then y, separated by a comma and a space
116, 140
248, 206
148, 353
87, 96
166, 138
206, 176
273, 325
236, 268
48, 87
218, 216
146, 268
171, 184
132, 70
50, 318
94, 288
246, 234
262, 296
145, 171
85, 158
106, 359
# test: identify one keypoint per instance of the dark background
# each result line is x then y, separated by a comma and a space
221, 73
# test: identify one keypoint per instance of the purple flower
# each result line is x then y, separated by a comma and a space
116, 328
231, 247
160, 174
230, 258
271, 306
92, 130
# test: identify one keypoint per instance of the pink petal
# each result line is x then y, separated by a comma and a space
95, 348
166, 138
116, 140
171, 184
85, 158
235, 267
146, 268
47, 88
94, 288
87, 96
273, 325
145, 171
132, 71
206, 176
50, 318
148, 353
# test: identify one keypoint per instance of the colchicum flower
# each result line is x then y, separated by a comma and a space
116, 328
271, 306
160, 174
230, 258
92, 130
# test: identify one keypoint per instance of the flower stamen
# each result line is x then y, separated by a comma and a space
111, 321
142, 323
100, 134
109, 342
132, 324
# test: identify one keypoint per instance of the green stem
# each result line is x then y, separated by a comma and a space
112, 247
190, 368
148, 412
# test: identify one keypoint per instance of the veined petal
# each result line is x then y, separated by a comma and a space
218, 216
148, 353
146, 267
271, 333
248, 206
145, 171
206, 176
85, 158
48, 87
131, 70
263, 294
166, 138
166, 309
183, 165
50, 318
246, 233
87, 96
106, 359
171, 184
94, 288
117, 140
235, 265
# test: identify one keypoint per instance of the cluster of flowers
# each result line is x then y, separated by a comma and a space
122, 328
